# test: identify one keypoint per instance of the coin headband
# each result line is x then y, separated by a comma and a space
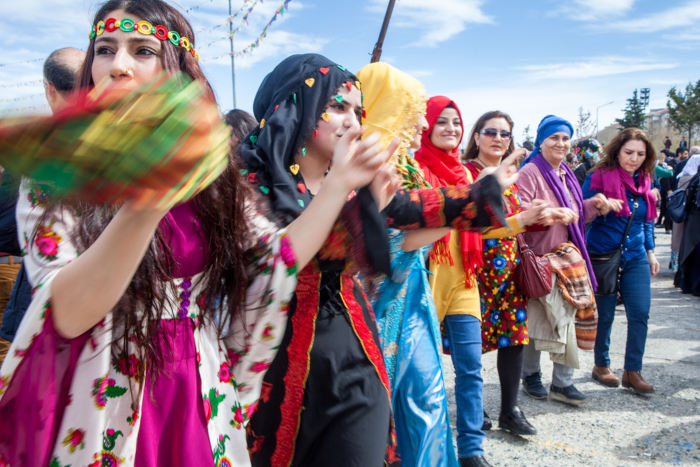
145, 28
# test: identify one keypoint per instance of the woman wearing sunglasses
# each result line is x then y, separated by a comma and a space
503, 316
454, 260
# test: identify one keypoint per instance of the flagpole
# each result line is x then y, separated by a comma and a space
377, 52
233, 59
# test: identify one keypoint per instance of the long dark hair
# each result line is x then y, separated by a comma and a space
472, 149
219, 209
611, 152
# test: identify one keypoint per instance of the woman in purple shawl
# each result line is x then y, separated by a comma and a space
551, 318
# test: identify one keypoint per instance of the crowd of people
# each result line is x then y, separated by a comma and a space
295, 310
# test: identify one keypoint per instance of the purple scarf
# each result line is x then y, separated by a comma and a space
613, 183
576, 229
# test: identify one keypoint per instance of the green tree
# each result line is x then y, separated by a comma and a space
684, 108
634, 113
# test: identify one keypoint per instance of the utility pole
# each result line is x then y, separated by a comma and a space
644, 97
233, 59
377, 52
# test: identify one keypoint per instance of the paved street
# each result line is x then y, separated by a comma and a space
616, 427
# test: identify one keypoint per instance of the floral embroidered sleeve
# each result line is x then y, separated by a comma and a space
45, 242
47, 248
468, 208
254, 337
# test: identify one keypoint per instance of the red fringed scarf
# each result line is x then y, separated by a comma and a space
443, 168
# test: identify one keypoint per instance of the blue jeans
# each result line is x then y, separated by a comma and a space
464, 334
635, 289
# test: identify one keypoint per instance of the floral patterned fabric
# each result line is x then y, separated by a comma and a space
503, 316
81, 403
329, 377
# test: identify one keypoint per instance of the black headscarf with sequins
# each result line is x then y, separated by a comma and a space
288, 105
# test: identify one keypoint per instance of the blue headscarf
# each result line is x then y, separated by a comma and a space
548, 126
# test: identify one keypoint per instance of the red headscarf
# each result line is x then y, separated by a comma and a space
442, 168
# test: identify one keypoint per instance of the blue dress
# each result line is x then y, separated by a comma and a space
410, 339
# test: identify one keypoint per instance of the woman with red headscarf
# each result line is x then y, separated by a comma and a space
453, 262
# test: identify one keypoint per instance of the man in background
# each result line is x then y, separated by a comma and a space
61, 69
682, 160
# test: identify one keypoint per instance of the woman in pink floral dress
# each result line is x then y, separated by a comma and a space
150, 331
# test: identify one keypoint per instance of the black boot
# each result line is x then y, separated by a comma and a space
475, 461
516, 423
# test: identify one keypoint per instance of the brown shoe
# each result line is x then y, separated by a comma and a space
604, 376
633, 380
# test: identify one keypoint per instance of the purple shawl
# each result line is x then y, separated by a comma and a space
576, 229
613, 183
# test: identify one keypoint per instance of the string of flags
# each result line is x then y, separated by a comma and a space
22, 84
28, 97
256, 43
22, 62
246, 4
196, 7
243, 23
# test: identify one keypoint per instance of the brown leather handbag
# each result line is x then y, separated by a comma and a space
533, 276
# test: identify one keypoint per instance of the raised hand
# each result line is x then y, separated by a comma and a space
384, 185
507, 172
357, 161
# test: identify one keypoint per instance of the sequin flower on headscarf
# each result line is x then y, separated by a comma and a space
288, 105
587, 149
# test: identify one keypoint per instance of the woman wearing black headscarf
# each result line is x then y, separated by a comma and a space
325, 397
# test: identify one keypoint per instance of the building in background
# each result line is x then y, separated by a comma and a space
658, 127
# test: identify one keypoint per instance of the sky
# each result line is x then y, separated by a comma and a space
527, 58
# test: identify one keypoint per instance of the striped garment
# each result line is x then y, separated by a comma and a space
575, 285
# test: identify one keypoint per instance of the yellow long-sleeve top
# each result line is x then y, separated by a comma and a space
447, 281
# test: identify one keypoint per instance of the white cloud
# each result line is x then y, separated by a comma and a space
438, 20
686, 15
683, 37
593, 67
588, 10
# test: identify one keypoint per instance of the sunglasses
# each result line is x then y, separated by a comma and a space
492, 133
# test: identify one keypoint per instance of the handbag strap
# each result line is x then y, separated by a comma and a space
522, 244
629, 224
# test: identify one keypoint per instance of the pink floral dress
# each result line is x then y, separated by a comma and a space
67, 402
